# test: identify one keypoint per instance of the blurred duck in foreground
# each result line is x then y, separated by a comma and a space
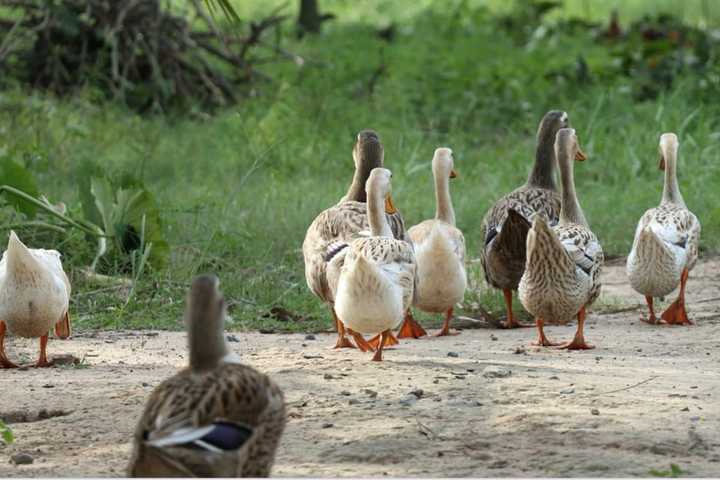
665, 248
506, 225
334, 228
216, 418
374, 287
562, 272
439, 252
34, 297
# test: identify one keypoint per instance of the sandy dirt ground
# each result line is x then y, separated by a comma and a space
483, 403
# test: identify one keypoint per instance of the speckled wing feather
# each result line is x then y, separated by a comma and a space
395, 257
231, 392
504, 264
585, 250
331, 229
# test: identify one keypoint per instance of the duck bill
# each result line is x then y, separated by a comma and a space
580, 155
62, 328
661, 164
453, 173
389, 207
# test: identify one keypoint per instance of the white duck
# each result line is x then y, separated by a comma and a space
34, 297
665, 248
439, 252
374, 287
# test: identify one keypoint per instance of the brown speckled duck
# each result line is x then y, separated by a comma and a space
216, 418
506, 224
562, 270
666, 243
334, 228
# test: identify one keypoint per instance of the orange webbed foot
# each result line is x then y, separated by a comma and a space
652, 320
360, 341
6, 363
390, 340
43, 363
411, 328
512, 323
676, 314
577, 345
343, 342
544, 342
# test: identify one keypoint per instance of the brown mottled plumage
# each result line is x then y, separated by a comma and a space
666, 243
214, 398
334, 228
562, 271
505, 225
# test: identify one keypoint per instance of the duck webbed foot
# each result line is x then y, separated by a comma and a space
578, 343
4, 360
676, 313
43, 360
389, 340
511, 322
542, 340
411, 328
445, 330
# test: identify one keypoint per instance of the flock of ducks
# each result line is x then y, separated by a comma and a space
370, 271
218, 417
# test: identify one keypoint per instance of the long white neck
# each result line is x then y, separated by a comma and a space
379, 226
671, 190
444, 208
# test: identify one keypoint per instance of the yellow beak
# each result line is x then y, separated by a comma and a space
453, 173
389, 207
580, 155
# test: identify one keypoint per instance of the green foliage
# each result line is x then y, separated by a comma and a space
674, 472
15, 175
6, 434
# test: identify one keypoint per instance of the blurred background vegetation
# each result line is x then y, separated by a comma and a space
164, 139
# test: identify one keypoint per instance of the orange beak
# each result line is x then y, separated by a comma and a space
661, 165
389, 207
580, 155
62, 328
453, 173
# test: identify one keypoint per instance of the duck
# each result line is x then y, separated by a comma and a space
562, 270
215, 418
506, 224
665, 247
439, 253
375, 285
333, 229
34, 297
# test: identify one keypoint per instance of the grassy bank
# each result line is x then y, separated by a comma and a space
238, 189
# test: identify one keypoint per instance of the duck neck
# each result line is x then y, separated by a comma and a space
570, 210
356, 192
543, 172
207, 342
671, 190
444, 209
379, 226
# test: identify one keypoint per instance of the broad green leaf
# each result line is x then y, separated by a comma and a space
15, 175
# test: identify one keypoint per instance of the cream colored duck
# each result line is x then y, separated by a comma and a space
562, 271
505, 225
334, 228
216, 418
375, 285
439, 252
665, 248
34, 297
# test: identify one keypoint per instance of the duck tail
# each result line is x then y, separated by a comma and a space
513, 233
19, 257
544, 249
651, 248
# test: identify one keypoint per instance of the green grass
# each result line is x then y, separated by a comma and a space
239, 189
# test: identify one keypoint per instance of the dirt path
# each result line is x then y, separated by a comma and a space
488, 403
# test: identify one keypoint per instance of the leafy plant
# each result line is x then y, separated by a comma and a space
674, 472
6, 434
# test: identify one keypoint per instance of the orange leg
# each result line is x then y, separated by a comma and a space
378, 355
342, 341
4, 360
62, 328
511, 322
360, 341
542, 339
410, 327
388, 341
652, 319
578, 343
676, 313
43, 360
445, 330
